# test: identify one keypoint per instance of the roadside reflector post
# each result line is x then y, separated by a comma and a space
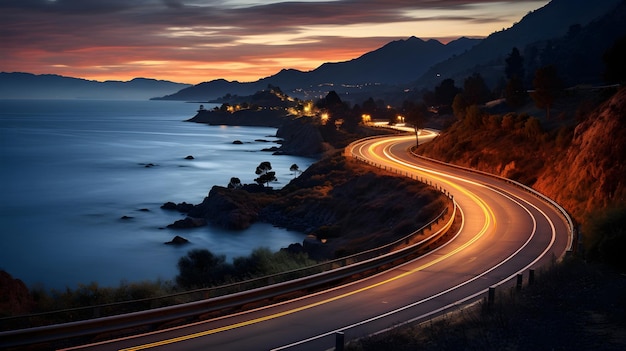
339, 340
491, 296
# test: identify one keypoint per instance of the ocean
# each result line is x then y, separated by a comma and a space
70, 171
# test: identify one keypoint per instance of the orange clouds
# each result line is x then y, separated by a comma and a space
198, 41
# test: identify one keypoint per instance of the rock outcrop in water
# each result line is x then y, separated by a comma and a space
343, 205
301, 138
252, 118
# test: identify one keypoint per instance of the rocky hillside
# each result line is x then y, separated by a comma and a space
591, 173
577, 159
16, 298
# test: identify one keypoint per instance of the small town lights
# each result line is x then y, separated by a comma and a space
400, 119
324, 117
366, 119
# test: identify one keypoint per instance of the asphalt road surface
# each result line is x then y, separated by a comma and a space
505, 231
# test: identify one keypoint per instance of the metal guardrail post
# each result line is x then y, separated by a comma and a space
339, 341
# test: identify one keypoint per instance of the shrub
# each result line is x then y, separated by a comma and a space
605, 236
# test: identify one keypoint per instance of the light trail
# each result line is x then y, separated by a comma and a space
505, 263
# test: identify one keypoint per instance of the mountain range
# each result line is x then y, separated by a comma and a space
575, 31
552, 22
17, 85
415, 64
390, 64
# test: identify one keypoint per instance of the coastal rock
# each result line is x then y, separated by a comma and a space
189, 157
230, 208
315, 248
272, 149
188, 222
182, 207
255, 118
295, 248
16, 299
177, 240
237, 142
300, 138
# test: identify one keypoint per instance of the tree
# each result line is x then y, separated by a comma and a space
547, 86
614, 59
201, 268
514, 65
475, 90
235, 183
295, 169
415, 114
369, 107
514, 92
459, 106
443, 95
473, 117
264, 171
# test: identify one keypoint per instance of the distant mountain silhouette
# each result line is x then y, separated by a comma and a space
396, 62
567, 26
578, 55
416, 63
552, 21
18, 85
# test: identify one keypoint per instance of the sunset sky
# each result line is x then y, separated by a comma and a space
192, 41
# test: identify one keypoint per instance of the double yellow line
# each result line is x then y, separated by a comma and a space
489, 219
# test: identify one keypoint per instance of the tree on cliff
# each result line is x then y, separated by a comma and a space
475, 90
234, 183
295, 169
547, 87
514, 70
265, 173
614, 59
443, 96
514, 65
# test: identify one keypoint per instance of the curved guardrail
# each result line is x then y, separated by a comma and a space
566, 217
339, 271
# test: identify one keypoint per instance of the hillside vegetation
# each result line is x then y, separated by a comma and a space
577, 159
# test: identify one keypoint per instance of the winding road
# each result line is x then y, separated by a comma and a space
505, 231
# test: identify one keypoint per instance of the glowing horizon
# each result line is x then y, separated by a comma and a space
193, 42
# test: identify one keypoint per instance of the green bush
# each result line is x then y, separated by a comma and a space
201, 268
605, 236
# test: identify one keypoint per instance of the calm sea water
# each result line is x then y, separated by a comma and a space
70, 170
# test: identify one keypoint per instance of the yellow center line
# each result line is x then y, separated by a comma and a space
489, 218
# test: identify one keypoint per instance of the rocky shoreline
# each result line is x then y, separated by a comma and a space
249, 118
342, 205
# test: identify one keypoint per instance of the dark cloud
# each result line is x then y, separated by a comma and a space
77, 32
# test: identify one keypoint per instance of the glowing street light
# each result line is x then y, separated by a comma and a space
324, 117
366, 118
